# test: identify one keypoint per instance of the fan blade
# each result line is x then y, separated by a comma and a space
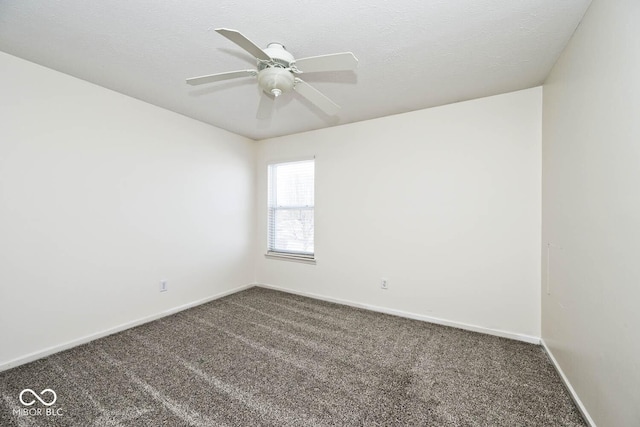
265, 107
243, 42
316, 97
220, 76
344, 61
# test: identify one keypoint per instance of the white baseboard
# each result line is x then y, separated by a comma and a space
572, 392
91, 337
504, 334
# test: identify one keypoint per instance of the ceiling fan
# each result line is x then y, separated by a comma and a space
277, 72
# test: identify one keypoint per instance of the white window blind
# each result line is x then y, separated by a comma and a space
291, 204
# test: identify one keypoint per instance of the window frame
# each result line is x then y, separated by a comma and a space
305, 257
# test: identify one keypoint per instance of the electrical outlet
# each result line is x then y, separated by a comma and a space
384, 283
163, 286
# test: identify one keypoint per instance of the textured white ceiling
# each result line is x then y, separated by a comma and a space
413, 54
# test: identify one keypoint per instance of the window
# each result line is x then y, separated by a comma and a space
291, 205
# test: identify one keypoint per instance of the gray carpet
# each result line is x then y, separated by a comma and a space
267, 358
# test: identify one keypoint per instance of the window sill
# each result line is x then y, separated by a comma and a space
291, 257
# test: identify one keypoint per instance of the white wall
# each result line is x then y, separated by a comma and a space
591, 212
101, 196
444, 202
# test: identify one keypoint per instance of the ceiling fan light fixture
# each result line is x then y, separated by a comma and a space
275, 81
277, 72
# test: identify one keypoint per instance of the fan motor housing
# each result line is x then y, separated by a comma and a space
279, 55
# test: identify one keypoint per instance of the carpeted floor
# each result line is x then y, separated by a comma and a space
267, 358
